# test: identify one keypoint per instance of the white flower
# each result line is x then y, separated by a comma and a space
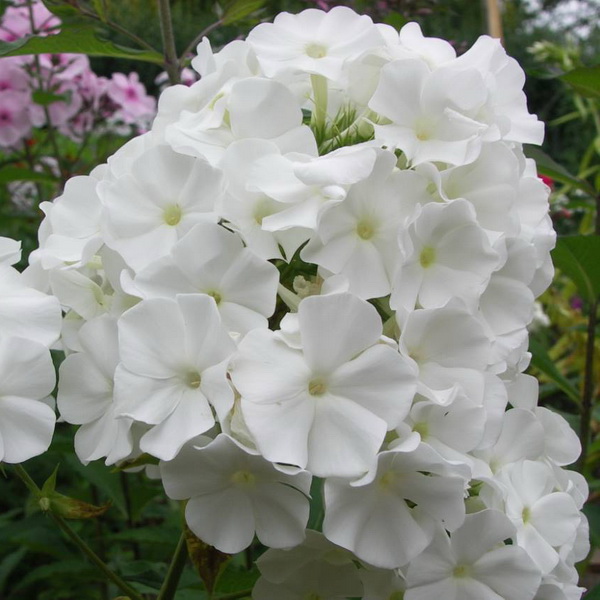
25, 312
371, 516
170, 369
444, 254
545, 519
156, 202
313, 42
26, 380
357, 237
474, 564
315, 569
85, 395
213, 261
327, 405
236, 495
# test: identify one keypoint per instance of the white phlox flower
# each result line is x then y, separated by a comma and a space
26, 380
319, 264
444, 254
315, 569
327, 405
357, 237
313, 42
253, 107
545, 519
372, 518
474, 564
238, 495
162, 205
85, 394
449, 350
212, 260
172, 364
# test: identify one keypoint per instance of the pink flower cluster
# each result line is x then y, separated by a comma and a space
86, 98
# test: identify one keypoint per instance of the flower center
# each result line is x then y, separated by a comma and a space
317, 387
427, 257
461, 571
387, 480
316, 50
193, 379
172, 215
526, 515
243, 478
365, 229
216, 295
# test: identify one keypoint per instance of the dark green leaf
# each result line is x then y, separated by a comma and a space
548, 166
61, 8
73, 568
578, 257
593, 594
77, 39
108, 483
240, 9
541, 361
45, 98
100, 8
584, 80
8, 565
8, 174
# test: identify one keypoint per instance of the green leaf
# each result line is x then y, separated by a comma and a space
8, 564
100, 8
240, 9
76, 39
61, 8
578, 257
593, 594
8, 174
548, 166
44, 98
584, 80
101, 476
541, 361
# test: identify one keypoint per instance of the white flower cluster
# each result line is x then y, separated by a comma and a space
318, 268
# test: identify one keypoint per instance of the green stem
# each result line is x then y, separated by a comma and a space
74, 537
169, 586
168, 38
42, 87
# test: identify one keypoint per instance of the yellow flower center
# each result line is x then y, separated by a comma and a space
172, 215
427, 257
316, 50
243, 478
317, 387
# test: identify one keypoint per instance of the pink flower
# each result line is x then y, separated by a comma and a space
130, 95
16, 22
15, 119
12, 76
